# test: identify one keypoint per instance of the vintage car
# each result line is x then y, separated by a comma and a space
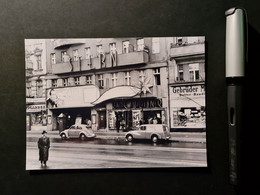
78, 131
153, 132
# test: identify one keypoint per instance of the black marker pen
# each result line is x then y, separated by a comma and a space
236, 50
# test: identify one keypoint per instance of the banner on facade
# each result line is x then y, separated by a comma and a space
81, 96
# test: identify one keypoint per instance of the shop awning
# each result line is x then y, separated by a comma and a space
117, 92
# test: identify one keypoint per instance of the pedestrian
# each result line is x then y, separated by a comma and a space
141, 122
43, 145
118, 121
155, 121
89, 123
150, 120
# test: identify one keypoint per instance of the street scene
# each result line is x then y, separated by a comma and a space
110, 150
115, 102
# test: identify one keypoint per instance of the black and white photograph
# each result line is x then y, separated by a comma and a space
99, 103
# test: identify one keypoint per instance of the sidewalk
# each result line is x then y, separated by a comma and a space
189, 137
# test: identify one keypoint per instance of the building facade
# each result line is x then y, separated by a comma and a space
106, 81
116, 82
187, 84
35, 62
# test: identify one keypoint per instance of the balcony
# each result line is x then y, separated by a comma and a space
177, 51
126, 59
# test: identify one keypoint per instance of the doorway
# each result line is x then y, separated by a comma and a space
102, 119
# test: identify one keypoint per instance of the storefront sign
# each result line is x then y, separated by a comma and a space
35, 100
137, 103
192, 90
103, 59
36, 108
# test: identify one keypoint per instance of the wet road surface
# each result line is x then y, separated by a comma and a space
116, 153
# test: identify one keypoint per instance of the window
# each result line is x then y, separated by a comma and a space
157, 77
99, 50
39, 88
180, 73
140, 44
141, 76
114, 79
75, 55
127, 78
76, 80
100, 80
65, 82
89, 79
112, 47
63, 56
54, 82
126, 46
194, 72
39, 62
155, 45
87, 53
143, 127
53, 58
28, 89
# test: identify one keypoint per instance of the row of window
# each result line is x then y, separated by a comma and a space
193, 69
127, 47
114, 79
39, 89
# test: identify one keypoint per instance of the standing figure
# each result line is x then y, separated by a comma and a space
89, 123
43, 145
118, 121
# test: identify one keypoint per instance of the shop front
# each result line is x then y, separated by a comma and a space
36, 118
187, 107
127, 114
70, 105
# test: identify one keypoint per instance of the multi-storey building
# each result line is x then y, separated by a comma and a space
115, 80
35, 61
187, 83
107, 80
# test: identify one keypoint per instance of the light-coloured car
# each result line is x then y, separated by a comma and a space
78, 131
149, 131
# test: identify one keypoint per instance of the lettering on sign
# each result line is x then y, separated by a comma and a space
102, 60
127, 104
113, 58
194, 90
36, 108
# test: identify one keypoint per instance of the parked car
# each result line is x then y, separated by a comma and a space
78, 131
149, 131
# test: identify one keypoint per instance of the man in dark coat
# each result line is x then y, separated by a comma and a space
43, 145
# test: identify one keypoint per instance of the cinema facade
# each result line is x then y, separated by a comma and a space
121, 80
107, 80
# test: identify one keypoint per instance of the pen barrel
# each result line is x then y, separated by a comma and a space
235, 102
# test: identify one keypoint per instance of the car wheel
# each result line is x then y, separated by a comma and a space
63, 136
154, 139
129, 138
82, 137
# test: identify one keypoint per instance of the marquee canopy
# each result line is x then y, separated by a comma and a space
117, 92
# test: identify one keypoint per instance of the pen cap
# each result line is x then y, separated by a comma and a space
235, 42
